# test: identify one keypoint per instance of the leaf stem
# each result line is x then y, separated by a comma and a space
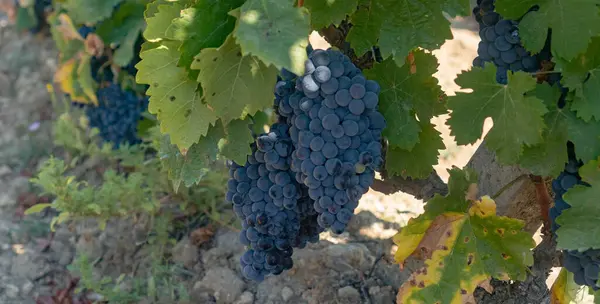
510, 184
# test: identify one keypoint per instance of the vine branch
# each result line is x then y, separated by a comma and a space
510, 184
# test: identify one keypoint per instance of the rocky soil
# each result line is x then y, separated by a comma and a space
355, 267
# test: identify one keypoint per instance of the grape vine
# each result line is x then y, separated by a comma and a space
210, 68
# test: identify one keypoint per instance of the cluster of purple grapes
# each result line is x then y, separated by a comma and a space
117, 115
500, 43
336, 129
265, 199
119, 111
585, 265
309, 172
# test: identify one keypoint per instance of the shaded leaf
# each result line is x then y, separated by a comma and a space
326, 12
579, 224
419, 161
573, 22
406, 91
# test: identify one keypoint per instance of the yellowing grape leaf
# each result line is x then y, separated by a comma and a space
582, 75
464, 243
274, 31
564, 290
68, 42
234, 85
518, 118
579, 224
90, 11
419, 161
236, 143
75, 78
326, 12
174, 98
204, 25
406, 91
573, 22
195, 164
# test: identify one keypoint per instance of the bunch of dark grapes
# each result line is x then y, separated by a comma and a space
308, 173
500, 43
336, 130
117, 115
266, 199
585, 265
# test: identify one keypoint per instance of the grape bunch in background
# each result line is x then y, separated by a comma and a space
118, 111
308, 173
117, 115
585, 265
500, 43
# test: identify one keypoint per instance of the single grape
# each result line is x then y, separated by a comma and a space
322, 74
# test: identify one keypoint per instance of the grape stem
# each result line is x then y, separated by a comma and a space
300, 3
543, 198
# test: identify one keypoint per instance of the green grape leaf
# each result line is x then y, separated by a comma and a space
275, 31
26, 18
408, 24
236, 144
548, 158
174, 98
125, 53
573, 22
418, 162
159, 25
579, 224
533, 32
234, 85
90, 11
457, 7
518, 119
259, 120
406, 91
205, 25
463, 243
326, 12
122, 30
364, 33
585, 136
195, 164
582, 75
